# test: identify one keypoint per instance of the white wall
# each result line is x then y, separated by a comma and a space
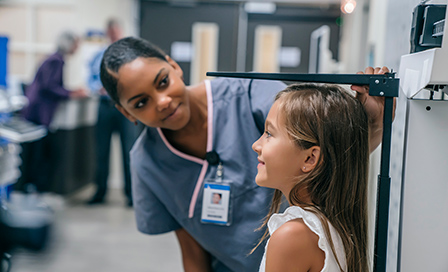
377, 33
376, 36
33, 25
352, 48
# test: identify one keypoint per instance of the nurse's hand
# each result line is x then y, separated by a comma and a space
374, 106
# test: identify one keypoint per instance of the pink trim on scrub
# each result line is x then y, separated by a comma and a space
195, 159
177, 152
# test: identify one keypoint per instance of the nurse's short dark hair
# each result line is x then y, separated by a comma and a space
120, 53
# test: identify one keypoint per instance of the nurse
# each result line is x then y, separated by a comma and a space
197, 142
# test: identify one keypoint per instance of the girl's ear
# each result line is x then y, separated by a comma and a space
312, 158
176, 66
125, 113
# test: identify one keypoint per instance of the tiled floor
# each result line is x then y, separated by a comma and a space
98, 238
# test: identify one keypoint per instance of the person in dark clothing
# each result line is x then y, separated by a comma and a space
44, 95
110, 121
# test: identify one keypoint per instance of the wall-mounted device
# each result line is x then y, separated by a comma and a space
427, 27
420, 146
425, 67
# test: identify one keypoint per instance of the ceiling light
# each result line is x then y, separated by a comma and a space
348, 6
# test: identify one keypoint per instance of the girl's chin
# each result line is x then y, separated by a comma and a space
259, 182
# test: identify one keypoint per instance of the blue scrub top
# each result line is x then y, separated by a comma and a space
167, 184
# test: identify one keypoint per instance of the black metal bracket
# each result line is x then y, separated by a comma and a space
384, 85
379, 85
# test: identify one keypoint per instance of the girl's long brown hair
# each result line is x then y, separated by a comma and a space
329, 117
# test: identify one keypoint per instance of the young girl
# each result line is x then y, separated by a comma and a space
170, 162
315, 151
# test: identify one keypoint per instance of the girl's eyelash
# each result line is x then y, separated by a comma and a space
268, 134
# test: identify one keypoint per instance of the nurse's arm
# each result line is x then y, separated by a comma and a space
374, 106
194, 257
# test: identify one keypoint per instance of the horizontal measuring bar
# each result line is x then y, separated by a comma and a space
386, 84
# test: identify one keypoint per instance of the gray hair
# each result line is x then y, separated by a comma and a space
113, 22
66, 41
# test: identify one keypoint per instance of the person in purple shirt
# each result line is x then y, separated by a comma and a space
47, 88
44, 95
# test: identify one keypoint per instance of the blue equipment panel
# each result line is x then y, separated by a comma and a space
3, 60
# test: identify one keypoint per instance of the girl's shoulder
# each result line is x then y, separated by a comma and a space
294, 244
294, 212
296, 224
296, 235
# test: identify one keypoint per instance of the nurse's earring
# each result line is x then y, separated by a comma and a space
304, 168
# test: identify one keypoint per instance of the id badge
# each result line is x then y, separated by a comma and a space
216, 206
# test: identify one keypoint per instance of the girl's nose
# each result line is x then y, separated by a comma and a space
256, 146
